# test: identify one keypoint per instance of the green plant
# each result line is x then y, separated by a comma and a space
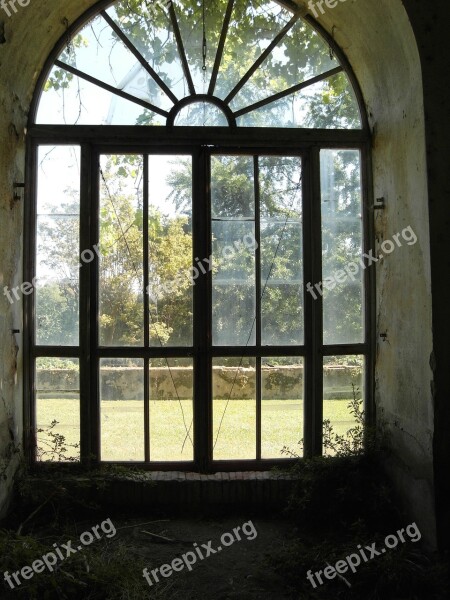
342, 500
357, 440
352, 443
53, 446
346, 487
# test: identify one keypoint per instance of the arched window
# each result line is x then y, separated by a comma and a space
199, 218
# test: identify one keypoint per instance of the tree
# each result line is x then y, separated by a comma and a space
121, 266
58, 284
301, 55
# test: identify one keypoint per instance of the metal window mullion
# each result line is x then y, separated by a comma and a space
94, 211
181, 50
221, 46
369, 289
29, 271
85, 307
110, 88
273, 44
202, 320
317, 304
258, 302
147, 456
141, 352
132, 48
56, 351
344, 349
252, 351
312, 241
288, 92
146, 304
129, 138
308, 388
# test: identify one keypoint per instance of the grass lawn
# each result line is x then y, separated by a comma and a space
122, 431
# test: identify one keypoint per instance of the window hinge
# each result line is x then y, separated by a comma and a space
18, 186
380, 204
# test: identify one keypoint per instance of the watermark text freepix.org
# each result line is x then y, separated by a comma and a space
158, 290
367, 553
51, 559
27, 288
315, 7
9, 6
352, 269
202, 551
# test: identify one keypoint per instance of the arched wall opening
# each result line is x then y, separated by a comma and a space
380, 45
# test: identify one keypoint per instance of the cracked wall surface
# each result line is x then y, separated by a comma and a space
378, 38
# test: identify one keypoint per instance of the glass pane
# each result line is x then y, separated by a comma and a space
190, 17
58, 409
281, 406
58, 246
252, 28
343, 393
122, 409
171, 409
98, 52
301, 55
121, 285
234, 408
342, 235
233, 245
148, 26
281, 250
201, 114
171, 275
329, 104
70, 100
233, 291
232, 187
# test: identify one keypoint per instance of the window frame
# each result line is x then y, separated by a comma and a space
98, 139
89, 354
231, 116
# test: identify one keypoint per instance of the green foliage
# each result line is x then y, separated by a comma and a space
60, 79
57, 298
53, 446
357, 440
346, 502
121, 275
353, 442
347, 480
301, 55
49, 363
120, 247
171, 258
57, 310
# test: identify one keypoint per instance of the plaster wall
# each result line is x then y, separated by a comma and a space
379, 42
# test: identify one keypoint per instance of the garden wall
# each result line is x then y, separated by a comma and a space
126, 383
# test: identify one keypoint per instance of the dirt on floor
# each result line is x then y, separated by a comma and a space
186, 558
238, 570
